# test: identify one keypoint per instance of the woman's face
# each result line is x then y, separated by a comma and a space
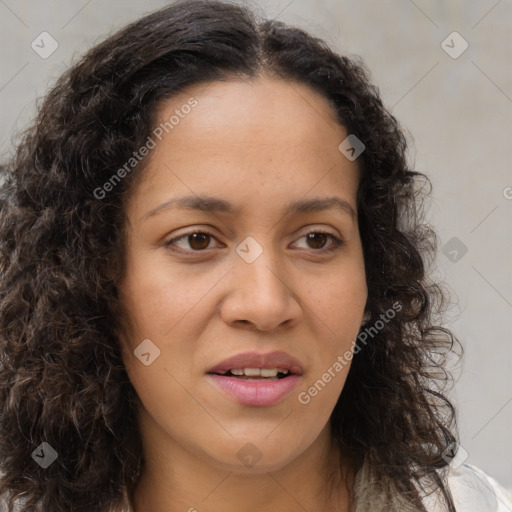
254, 286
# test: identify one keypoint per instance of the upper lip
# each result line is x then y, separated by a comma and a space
279, 360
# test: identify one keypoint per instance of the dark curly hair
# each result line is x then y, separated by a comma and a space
62, 380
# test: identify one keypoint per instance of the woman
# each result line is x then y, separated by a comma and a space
214, 294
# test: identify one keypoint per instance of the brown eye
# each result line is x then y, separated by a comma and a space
197, 241
317, 240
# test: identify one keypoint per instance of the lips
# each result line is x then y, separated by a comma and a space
279, 360
249, 385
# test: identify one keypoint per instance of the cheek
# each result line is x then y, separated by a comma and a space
161, 305
157, 296
339, 301
337, 305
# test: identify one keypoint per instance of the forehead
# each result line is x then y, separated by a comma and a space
264, 136
263, 107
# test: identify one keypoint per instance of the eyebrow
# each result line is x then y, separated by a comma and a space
215, 204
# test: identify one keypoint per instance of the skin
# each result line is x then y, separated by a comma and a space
258, 144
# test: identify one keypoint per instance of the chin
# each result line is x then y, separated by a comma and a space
257, 466
250, 458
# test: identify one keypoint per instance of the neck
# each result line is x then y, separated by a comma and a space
315, 481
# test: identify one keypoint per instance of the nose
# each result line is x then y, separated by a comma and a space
261, 295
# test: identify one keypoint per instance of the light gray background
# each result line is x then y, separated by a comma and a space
459, 112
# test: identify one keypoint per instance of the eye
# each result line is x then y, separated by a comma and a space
199, 241
318, 239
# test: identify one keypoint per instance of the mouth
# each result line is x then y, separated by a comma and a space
257, 379
255, 374
256, 365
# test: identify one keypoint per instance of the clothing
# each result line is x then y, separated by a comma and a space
474, 491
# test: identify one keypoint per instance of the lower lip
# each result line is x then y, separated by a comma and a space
256, 392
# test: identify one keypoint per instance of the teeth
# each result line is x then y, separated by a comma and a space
252, 372
268, 372
257, 372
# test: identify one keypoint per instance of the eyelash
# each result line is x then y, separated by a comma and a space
336, 242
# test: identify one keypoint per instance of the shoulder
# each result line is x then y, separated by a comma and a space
473, 491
